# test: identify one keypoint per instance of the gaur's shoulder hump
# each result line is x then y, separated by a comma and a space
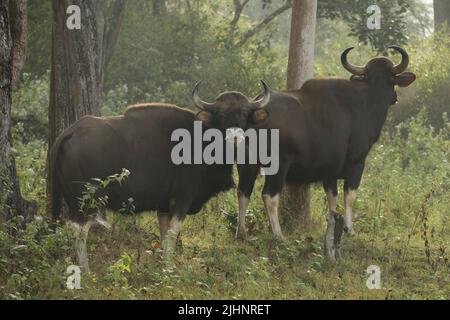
143, 108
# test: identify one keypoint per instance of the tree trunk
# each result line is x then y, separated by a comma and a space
295, 200
441, 13
79, 59
159, 7
12, 53
18, 16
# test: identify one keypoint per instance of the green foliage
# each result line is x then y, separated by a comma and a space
31, 160
188, 37
92, 199
429, 60
414, 162
6, 188
32, 260
118, 270
39, 37
393, 23
116, 101
163, 58
30, 105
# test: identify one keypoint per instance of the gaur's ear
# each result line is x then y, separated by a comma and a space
205, 117
405, 79
259, 116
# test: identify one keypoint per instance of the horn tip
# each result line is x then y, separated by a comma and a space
265, 85
348, 49
197, 85
398, 48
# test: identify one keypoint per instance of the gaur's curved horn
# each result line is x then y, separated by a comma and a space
356, 70
405, 60
264, 101
199, 103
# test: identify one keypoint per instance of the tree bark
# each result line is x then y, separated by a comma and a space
12, 53
238, 9
109, 22
18, 16
79, 59
295, 200
159, 7
441, 13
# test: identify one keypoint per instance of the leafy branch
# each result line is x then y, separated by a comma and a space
90, 201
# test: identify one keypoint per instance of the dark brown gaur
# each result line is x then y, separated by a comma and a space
326, 129
202, 105
141, 142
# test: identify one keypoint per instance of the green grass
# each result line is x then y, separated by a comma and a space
211, 264
402, 225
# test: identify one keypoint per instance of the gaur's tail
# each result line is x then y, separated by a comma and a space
55, 192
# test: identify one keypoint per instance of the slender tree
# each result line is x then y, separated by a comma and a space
13, 22
159, 7
441, 13
295, 200
239, 7
79, 58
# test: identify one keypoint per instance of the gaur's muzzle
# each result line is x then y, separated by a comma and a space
235, 136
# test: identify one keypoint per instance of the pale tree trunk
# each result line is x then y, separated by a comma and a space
295, 200
159, 7
13, 15
441, 13
79, 59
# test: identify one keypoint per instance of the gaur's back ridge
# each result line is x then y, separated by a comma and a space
144, 108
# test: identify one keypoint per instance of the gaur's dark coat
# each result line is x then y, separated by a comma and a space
328, 127
139, 141
326, 130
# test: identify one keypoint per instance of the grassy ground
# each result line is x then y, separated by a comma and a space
210, 264
402, 225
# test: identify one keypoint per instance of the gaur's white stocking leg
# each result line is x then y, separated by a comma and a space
164, 223
271, 197
350, 197
81, 233
332, 199
351, 184
172, 235
241, 232
177, 210
271, 204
